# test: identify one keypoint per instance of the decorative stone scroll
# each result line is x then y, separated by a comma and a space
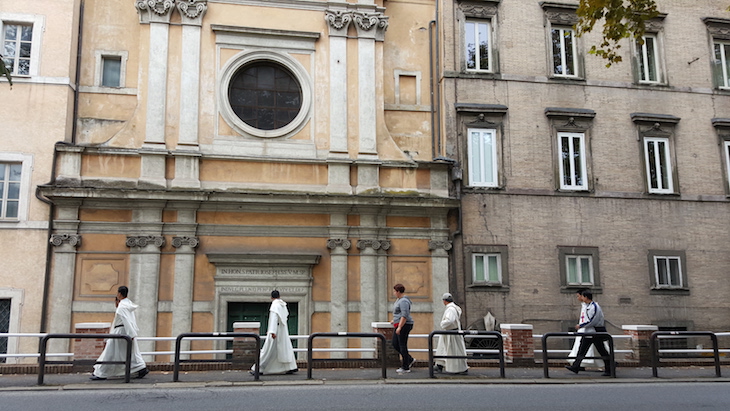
73, 240
178, 242
338, 21
440, 244
333, 243
374, 244
479, 10
155, 10
368, 24
192, 11
144, 240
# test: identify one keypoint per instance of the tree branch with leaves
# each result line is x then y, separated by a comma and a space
621, 19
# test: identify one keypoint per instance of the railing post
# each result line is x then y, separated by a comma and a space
244, 348
87, 350
519, 347
640, 342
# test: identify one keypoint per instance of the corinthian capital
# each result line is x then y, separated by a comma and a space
338, 21
372, 25
144, 240
333, 243
374, 244
158, 11
70, 239
192, 11
178, 242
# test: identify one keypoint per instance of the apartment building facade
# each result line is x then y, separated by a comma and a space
574, 175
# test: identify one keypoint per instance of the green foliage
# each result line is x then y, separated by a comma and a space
621, 19
5, 72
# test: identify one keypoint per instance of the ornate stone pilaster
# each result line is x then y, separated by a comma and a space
154, 10
73, 240
344, 243
178, 242
338, 22
370, 25
439, 245
145, 240
374, 244
192, 11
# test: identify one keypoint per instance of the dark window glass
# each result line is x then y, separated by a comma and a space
265, 95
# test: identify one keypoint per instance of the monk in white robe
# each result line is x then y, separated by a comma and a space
124, 322
451, 344
277, 354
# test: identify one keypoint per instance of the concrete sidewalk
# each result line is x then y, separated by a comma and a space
419, 375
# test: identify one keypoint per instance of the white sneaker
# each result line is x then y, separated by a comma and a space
402, 370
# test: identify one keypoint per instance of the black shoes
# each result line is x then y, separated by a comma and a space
292, 371
95, 378
573, 369
439, 368
142, 373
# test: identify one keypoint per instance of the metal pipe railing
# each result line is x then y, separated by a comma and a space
214, 336
611, 366
474, 334
310, 350
682, 334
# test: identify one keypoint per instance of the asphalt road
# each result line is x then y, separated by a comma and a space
669, 396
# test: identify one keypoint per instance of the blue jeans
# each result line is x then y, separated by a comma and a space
400, 344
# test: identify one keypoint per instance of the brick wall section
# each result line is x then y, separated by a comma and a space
519, 346
640, 342
244, 349
89, 348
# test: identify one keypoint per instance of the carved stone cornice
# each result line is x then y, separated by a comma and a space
144, 240
477, 10
178, 242
718, 28
333, 243
192, 11
158, 11
73, 240
374, 244
440, 244
370, 25
338, 21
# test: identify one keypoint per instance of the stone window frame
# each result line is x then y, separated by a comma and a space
722, 128
502, 251
482, 116
39, 27
264, 45
563, 16
655, 127
478, 11
718, 31
26, 161
99, 58
652, 255
567, 251
571, 120
654, 29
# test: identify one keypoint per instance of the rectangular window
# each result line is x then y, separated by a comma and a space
10, 190
16, 51
668, 272
111, 71
478, 45
658, 165
564, 54
571, 149
648, 60
722, 60
482, 147
4, 326
579, 269
486, 268
726, 145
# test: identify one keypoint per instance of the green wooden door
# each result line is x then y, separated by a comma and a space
259, 312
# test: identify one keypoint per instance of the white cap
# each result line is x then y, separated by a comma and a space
447, 297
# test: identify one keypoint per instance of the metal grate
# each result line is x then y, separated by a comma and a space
4, 326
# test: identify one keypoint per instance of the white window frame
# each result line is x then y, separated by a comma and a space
478, 168
666, 259
486, 256
99, 56
490, 52
25, 179
579, 276
563, 54
572, 168
723, 62
726, 147
644, 58
664, 154
38, 23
